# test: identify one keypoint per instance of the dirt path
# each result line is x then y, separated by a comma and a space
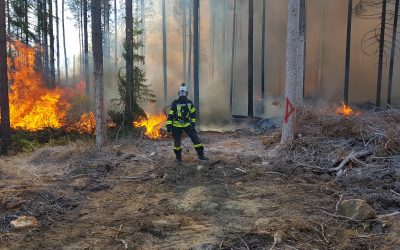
136, 197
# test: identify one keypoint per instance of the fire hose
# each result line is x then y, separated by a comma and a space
165, 113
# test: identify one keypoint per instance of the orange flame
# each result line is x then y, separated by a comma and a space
32, 106
86, 124
344, 110
152, 123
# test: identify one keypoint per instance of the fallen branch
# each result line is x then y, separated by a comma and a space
240, 170
394, 192
388, 215
349, 158
247, 246
338, 203
367, 236
276, 173
345, 217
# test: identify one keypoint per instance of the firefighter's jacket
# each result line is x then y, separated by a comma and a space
182, 113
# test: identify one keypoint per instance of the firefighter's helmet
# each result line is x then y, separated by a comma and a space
183, 90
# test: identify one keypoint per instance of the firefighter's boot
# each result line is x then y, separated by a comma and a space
200, 153
178, 154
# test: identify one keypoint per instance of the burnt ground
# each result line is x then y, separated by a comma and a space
250, 194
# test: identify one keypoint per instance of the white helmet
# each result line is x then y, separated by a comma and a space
183, 90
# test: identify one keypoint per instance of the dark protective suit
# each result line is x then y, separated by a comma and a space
182, 117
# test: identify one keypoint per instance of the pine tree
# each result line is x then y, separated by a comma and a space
293, 89
5, 130
97, 48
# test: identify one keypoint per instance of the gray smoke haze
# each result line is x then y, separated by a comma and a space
326, 39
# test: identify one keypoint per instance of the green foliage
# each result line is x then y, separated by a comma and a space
141, 91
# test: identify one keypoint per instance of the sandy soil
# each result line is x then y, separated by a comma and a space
133, 195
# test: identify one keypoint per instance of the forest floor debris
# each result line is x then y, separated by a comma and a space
252, 194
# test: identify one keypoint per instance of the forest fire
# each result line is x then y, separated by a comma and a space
152, 123
32, 106
344, 110
86, 124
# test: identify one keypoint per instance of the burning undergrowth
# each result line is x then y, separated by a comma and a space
152, 125
35, 107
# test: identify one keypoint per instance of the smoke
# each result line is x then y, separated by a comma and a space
325, 54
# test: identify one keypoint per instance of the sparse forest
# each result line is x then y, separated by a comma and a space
188, 124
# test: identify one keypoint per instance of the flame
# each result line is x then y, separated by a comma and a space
86, 124
32, 106
152, 123
344, 110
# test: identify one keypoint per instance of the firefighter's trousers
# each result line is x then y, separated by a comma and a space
192, 133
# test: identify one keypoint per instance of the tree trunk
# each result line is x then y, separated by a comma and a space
106, 34
224, 48
97, 49
212, 38
381, 51
5, 111
51, 35
58, 43
115, 35
65, 49
164, 32
45, 44
250, 61
233, 57
302, 45
293, 92
86, 56
26, 23
321, 45
143, 27
348, 51
263, 59
82, 56
9, 21
184, 39
393, 52
38, 40
189, 69
73, 69
80, 42
129, 59
196, 50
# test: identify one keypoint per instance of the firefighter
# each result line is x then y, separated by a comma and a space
182, 117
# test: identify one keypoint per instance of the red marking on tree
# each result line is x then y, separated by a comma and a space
289, 110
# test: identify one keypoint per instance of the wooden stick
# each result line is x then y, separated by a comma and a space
388, 215
350, 157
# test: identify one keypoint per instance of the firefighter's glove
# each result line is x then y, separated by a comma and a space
169, 128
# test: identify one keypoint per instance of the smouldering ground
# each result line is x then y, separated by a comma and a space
134, 196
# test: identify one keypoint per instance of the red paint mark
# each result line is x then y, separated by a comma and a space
289, 110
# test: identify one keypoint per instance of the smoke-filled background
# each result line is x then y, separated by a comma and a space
325, 55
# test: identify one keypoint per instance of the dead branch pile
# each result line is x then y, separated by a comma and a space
334, 144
